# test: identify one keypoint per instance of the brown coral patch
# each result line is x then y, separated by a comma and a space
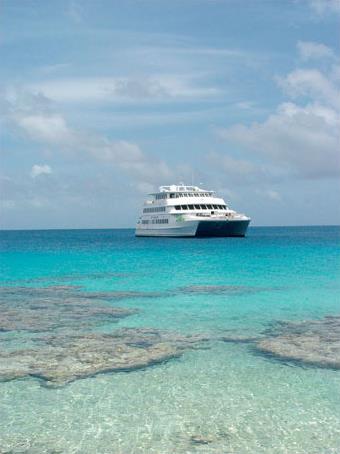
58, 360
310, 342
50, 308
222, 289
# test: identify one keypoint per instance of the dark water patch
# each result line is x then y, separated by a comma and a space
239, 339
71, 278
224, 289
197, 438
118, 295
28, 291
61, 359
310, 342
304, 343
76, 291
52, 308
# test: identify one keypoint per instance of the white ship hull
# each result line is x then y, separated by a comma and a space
206, 228
188, 211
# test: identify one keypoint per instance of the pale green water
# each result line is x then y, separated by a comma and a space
240, 401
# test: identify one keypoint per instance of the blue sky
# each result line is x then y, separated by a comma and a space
102, 101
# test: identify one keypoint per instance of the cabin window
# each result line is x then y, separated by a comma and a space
191, 207
184, 207
197, 207
178, 207
203, 207
209, 207
153, 210
159, 221
215, 207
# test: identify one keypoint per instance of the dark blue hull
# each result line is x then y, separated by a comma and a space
222, 228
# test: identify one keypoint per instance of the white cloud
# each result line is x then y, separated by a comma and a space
244, 105
46, 128
145, 188
269, 194
7, 204
171, 87
305, 140
236, 169
325, 6
50, 128
274, 195
311, 83
38, 170
301, 140
75, 11
310, 50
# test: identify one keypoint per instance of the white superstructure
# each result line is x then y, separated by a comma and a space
189, 211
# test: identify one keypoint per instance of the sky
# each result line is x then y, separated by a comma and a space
102, 101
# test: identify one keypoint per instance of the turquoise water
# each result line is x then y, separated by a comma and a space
236, 400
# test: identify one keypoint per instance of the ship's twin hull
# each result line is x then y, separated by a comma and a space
204, 228
222, 228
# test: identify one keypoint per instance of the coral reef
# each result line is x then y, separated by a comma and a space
222, 289
48, 308
61, 359
310, 342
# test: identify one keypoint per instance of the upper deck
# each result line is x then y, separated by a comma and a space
182, 188
174, 192
192, 197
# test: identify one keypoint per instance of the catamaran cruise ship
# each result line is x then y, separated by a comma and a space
188, 211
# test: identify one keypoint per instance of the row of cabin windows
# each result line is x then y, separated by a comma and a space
153, 210
160, 221
201, 207
176, 195
163, 195
155, 221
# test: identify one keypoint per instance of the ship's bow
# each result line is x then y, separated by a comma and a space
223, 228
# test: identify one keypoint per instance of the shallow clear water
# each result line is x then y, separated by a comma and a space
236, 400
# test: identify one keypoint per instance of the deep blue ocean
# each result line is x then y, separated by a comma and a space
223, 398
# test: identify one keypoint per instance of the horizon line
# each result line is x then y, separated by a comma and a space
133, 228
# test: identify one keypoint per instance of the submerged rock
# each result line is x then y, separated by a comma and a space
222, 289
239, 339
201, 440
58, 360
51, 308
123, 294
310, 342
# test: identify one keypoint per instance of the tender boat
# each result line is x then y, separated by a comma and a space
189, 211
